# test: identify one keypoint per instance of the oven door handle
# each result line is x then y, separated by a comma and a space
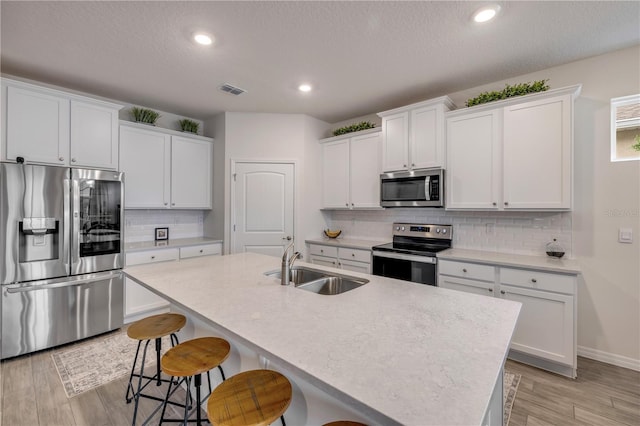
409, 257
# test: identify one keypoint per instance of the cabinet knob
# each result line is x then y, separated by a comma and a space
413, 165
153, 257
166, 204
346, 204
173, 204
61, 158
490, 290
353, 255
73, 160
351, 204
506, 203
321, 251
533, 280
201, 251
503, 292
404, 165
494, 203
333, 263
464, 270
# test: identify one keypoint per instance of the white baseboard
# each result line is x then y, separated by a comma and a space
609, 358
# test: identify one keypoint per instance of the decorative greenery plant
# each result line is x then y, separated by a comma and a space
636, 145
509, 91
187, 125
354, 128
144, 115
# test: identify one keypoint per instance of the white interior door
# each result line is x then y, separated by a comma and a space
262, 199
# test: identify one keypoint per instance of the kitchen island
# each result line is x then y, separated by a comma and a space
392, 351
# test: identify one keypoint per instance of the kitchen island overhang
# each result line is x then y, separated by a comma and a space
397, 352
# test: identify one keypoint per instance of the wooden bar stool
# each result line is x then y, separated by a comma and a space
145, 330
255, 397
189, 360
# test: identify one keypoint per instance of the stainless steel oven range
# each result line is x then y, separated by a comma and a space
412, 254
61, 234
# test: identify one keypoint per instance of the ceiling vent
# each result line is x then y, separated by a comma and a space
232, 89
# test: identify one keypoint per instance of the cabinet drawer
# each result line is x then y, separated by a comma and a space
151, 256
354, 254
467, 270
323, 250
538, 280
203, 250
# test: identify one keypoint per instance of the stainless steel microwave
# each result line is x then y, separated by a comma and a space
416, 188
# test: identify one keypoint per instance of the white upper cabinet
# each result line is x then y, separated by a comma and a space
145, 159
351, 170
191, 173
335, 172
413, 136
473, 165
514, 154
163, 170
47, 126
94, 135
537, 154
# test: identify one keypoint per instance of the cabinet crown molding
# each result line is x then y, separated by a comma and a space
350, 135
187, 135
65, 93
442, 100
574, 91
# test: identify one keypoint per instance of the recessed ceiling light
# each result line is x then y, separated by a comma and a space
202, 38
304, 88
486, 13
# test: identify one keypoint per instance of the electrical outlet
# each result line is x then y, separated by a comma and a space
489, 228
625, 235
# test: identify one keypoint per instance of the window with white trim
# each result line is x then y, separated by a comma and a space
625, 128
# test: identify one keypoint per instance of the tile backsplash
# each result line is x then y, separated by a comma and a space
140, 224
510, 232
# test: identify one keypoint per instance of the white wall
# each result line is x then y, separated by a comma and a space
276, 137
214, 218
140, 224
607, 197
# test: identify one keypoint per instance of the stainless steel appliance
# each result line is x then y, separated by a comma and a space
62, 255
412, 254
416, 188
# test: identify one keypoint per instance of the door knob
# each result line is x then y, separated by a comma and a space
288, 238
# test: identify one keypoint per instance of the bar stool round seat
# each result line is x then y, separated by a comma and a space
195, 356
145, 330
255, 397
189, 360
344, 423
156, 326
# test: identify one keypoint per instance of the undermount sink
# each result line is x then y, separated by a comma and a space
321, 282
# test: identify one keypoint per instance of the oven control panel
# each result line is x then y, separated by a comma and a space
443, 232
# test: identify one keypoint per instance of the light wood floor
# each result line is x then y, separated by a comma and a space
32, 394
603, 395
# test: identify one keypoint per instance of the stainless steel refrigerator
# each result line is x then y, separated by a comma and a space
61, 234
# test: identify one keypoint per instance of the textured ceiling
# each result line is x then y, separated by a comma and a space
361, 57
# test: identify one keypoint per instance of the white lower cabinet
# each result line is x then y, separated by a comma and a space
545, 335
140, 302
357, 260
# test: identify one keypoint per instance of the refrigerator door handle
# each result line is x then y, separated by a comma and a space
61, 282
74, 211
66, 222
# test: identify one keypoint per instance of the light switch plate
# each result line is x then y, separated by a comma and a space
625, 235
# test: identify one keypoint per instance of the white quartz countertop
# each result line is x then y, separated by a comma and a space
544, 263
175, 243
400, 352
346, 242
